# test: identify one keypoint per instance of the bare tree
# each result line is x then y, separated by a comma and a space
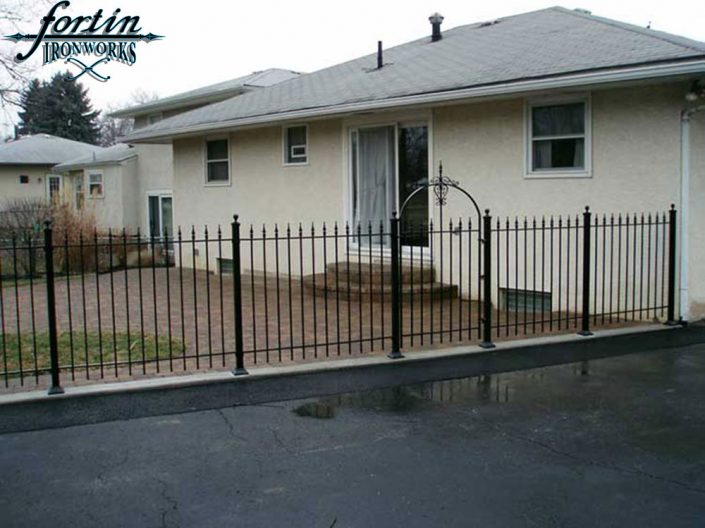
112, 128
16, 16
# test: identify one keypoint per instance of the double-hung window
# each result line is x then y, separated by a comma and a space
296, 145
217, 162
558, 135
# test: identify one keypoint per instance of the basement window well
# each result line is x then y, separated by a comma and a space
516, 300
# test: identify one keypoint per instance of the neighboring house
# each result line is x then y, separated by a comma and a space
26, 166
535, 114
154, 163
104, 182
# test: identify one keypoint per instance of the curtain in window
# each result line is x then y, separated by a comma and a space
559, 120
375, 173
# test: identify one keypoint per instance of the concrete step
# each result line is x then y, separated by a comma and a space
379, 273
375, 291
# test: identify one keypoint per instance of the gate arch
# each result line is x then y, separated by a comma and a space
441, 185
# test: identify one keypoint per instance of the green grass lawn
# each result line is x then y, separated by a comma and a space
84, 344
9, 282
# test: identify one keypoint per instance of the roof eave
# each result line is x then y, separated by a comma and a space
31, 163
157, 106
590, 78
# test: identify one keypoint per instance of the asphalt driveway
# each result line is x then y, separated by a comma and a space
621, 446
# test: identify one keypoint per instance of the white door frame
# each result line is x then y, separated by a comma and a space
423, 253
160, 195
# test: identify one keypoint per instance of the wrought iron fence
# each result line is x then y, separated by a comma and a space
77, 306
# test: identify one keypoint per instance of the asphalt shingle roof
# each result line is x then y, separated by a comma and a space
43, 149
259, 79
549, 42
106, 156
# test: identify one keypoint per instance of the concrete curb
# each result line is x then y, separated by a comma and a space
134, 399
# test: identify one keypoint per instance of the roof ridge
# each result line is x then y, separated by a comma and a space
661, 35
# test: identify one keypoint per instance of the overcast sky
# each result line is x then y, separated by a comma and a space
213, 40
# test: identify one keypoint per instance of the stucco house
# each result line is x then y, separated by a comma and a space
535, 114
26, 166
105, 182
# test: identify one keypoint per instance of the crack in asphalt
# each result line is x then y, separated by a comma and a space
591, 462
229, 425
174, 505
281, 443
605, 465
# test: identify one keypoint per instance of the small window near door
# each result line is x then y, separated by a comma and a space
296, 145
95, 185
24, 179
558, 138
217, 161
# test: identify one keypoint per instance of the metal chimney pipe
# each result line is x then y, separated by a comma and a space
436, 19
380, 60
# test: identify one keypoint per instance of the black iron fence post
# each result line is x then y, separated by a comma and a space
239, 369
487, 281
396, 291
587, 226
672, 233
51, 310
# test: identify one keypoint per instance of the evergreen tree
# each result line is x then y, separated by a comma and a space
59, 107
32, 102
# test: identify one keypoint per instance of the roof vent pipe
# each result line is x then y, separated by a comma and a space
380, 61
436, 19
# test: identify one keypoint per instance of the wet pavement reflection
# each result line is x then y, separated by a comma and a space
498, 388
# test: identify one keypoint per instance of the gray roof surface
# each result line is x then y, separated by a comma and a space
43, 149
106, 156
258, 79
549, 42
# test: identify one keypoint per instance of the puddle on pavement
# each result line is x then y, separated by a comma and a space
498, 388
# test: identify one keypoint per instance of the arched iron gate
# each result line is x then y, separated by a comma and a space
441, 185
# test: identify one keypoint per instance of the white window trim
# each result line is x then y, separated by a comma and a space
285, 128
206, 160
585, 172
87, 184
160, 194
420, 254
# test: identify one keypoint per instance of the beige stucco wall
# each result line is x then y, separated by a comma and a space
117, 208
11, 188
108, 209
262, 189
635, 155
635, 166
154, 174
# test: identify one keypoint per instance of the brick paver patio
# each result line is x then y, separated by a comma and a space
196, 309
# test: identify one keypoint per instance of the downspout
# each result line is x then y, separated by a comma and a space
684, 208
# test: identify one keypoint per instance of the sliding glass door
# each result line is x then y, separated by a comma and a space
413, 173
388, 163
